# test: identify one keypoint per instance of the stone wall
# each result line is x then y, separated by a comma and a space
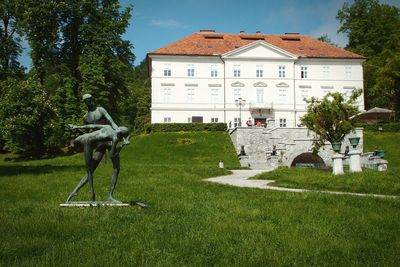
287, 143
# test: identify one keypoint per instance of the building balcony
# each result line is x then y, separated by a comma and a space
263, 105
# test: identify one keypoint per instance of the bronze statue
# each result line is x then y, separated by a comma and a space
106, 137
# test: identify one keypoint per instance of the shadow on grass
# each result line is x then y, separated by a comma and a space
10, 170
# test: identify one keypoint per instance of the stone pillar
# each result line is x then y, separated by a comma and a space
337, 164
355, 161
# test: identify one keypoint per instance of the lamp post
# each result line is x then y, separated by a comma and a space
241, 102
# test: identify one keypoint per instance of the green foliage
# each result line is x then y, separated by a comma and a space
25, 110
135, 107
330, 117
76, 48
10, 47
386, 127
325, 38
187, 127
374, 31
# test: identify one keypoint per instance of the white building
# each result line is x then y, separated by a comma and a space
202, 77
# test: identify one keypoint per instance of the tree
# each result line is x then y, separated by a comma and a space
10, 42
107, 60
40, 21
325, 38
374, 31
25, 110
330, 117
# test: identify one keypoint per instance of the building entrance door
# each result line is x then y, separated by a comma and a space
260, 121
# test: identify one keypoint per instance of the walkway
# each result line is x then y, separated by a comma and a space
240, 178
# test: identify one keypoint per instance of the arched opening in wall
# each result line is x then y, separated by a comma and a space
308, 160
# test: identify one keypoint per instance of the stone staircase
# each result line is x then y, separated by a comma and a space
267, 149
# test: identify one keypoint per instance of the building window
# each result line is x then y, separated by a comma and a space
214, 71
326, 71
189, 120
260, 95
303, 73
259, 71
167, 95
190, 95
304, 93
282, 72
190, 70
347, 72
282, 95
167, 119
214, 120
167, 70
214, 95
282, 122
236, 70
236, 122
236, 94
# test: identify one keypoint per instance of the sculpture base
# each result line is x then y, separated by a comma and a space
355, 161
100, 203
337, 164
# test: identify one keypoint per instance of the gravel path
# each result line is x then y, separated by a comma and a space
240, 178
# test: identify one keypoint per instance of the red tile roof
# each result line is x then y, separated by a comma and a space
206, 43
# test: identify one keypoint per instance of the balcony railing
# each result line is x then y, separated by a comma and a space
264, 105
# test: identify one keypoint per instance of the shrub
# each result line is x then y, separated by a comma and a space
186, 127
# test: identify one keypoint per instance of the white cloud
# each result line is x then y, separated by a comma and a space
168, 24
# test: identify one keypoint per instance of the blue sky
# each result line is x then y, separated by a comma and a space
156, 23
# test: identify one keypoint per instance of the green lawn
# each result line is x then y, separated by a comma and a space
367, 181
189, 222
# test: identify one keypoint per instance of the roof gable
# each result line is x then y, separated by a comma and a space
259, 49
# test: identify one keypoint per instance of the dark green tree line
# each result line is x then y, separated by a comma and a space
373, 30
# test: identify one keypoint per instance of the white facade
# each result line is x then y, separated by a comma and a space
272, 82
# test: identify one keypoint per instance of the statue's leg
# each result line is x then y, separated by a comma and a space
94, 163
96, 159
116, 167
88, 159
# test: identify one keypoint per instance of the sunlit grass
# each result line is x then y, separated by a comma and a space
189, 222
368, 181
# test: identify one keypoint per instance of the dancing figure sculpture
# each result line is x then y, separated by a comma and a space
96, 143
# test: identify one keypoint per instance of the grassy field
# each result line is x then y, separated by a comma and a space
189, 222
366, 182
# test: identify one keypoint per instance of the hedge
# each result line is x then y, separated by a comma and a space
187, 127
386, 127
